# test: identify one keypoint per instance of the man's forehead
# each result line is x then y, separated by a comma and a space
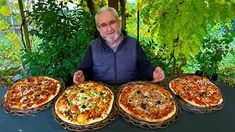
106, 17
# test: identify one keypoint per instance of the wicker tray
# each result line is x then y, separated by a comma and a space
188, 107
145, 124
94, 126
18, 112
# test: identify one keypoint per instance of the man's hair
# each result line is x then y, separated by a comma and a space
105, 9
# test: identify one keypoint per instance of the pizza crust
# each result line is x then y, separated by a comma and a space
147, 119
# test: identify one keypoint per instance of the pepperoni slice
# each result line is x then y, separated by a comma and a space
23, 88
47, 83
29, 105
15, 90
39, 79
37, 88
42, 100
30, 92
30, 79
36, 99
19, 98
13, 101
26, 101
45, 93
52, 90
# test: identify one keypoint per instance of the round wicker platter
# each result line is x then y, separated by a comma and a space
19, 112
188, 107
91, 127
145, 124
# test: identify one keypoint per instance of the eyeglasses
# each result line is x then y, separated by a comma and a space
105, 25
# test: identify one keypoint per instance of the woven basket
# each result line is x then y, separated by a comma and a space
20, 112
188, 107
145, 124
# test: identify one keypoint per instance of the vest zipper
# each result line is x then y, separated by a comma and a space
115, 68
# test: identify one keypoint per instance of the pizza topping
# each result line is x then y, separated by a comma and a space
90, 99
158, 102
202, 94
143, 106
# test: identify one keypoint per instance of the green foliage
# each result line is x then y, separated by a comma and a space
227, 69
227, 65
216, 45
64, 37
9, 56
180, 25
155, 53
9, 41
2, 3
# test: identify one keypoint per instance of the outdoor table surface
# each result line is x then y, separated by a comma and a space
223, 120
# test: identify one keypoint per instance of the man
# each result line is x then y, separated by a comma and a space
114, 57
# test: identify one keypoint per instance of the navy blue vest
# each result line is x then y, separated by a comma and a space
114, 67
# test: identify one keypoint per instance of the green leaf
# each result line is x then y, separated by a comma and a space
177, 51
4, 25
5, 11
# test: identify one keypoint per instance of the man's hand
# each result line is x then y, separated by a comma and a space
158, 74
78, 77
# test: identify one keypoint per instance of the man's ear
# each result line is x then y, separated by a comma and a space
97, 28
119, 22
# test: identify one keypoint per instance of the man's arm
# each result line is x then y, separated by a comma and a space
143, 65
86, 65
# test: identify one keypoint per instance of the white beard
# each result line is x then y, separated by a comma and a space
112, 39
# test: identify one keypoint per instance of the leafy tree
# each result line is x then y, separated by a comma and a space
65, 34
180, 25
215, 46
10, 42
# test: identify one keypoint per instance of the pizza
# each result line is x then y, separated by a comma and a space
147, 102
85, 103
32, 92
197, 91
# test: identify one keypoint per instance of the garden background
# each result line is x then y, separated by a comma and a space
50, 37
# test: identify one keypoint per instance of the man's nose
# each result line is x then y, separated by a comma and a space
109, 27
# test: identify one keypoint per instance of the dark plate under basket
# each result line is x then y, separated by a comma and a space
145, 124
94, 126
188, 107
18, 112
